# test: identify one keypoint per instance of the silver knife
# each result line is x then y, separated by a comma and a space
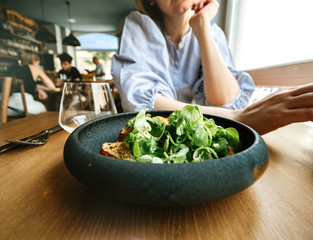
11, 146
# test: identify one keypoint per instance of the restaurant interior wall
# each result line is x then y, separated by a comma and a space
12, 47
17, 35
52, 50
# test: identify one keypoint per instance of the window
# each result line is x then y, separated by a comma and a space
100, 45
98, 41
267, 33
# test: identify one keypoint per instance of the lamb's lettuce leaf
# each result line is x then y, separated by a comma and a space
189, 137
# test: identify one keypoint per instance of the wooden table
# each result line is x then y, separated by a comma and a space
39, 199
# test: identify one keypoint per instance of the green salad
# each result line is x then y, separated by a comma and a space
188, 137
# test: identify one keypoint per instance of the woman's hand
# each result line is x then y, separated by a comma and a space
205, 11
284, 107
202, 3
42, 95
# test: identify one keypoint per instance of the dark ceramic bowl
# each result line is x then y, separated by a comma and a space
162, 184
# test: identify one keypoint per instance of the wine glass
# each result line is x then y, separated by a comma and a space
84, 101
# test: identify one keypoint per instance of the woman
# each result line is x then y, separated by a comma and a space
155, 71
30, 73
168, 59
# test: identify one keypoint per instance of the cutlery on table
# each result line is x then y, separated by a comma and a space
36, 139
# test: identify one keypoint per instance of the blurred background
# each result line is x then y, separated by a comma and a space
261, 33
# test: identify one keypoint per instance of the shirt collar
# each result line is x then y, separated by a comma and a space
182, 40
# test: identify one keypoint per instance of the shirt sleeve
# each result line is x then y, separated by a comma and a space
245, 82
140, 71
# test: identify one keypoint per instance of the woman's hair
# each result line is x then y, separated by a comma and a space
152, 10
28, 57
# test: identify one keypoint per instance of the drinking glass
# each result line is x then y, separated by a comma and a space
84, 101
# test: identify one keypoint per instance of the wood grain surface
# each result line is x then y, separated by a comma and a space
283, 76
39, 199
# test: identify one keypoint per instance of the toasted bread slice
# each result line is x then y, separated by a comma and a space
119, 150
124, 133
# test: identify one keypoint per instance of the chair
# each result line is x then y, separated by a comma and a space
88, 77
6, 88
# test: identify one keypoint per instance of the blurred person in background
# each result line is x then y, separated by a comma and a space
71, 72
36, 83
99, 72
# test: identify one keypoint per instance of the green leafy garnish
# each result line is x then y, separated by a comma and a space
189, 137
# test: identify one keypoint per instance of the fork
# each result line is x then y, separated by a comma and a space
38, 139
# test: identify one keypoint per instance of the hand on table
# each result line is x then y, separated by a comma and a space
283, 107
